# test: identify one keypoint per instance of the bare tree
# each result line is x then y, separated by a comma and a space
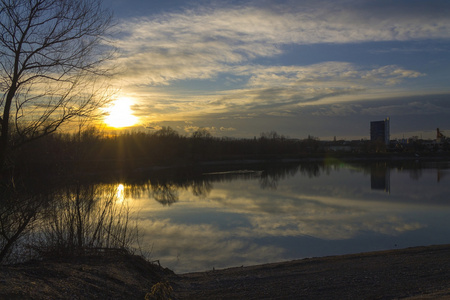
51, 59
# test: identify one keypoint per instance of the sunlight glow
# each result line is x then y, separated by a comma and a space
120, 193
120, 114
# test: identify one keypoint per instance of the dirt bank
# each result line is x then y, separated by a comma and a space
422, 273
112, 276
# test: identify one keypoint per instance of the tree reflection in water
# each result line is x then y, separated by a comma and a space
18, 213
38, 218
86, 217
67, 220
165, 193
201, 188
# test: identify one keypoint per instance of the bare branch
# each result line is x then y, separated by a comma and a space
50, 53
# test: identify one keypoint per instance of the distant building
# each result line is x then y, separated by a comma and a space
380, 131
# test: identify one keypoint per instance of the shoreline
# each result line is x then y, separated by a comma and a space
422, 272
102, 167
412, 273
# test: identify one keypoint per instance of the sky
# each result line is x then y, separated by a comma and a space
320, 68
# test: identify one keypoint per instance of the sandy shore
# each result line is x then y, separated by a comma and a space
422, 272
413, 273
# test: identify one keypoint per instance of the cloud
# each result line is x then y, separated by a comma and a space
306, 215
401, 106
390, 75
328, 74
191, 247
416, 106
282, 89
346, 109
200, 43
411, 49
193, 128
226, 129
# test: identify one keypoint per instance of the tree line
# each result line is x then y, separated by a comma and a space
93, 149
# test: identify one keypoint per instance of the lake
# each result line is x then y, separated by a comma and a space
254, 214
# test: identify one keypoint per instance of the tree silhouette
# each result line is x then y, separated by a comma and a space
51, 55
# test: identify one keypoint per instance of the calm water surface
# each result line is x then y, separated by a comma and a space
237, 217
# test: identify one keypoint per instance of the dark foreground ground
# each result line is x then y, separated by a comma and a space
414, 273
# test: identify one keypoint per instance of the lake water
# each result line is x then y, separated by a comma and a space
257, 214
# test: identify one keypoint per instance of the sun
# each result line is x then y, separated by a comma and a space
120, 114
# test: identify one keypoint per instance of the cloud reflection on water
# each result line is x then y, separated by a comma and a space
236, 221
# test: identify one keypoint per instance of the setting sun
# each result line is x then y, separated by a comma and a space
120, 114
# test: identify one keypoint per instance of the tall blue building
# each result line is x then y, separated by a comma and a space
380, 131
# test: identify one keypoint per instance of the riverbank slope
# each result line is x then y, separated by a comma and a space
413, 273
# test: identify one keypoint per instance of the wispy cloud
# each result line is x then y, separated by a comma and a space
424, 107
412, 105
280, 89
204, 42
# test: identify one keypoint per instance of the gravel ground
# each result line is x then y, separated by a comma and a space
413, 273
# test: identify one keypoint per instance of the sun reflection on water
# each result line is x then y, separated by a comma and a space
120, 193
